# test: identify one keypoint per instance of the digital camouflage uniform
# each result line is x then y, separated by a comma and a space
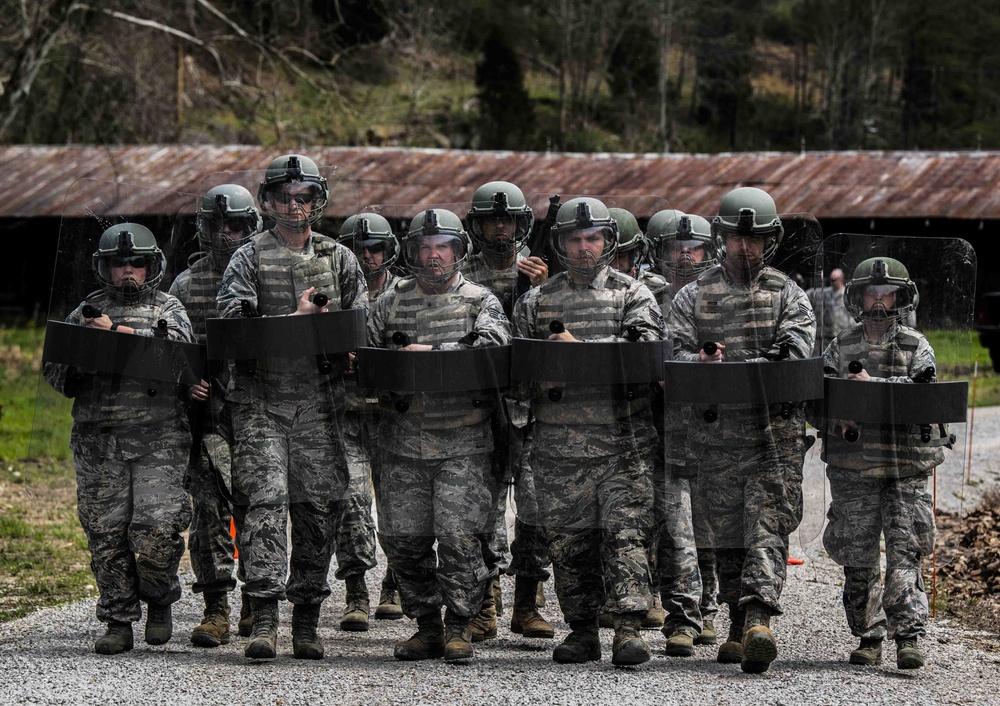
130, 450
355, 540
288, 420
435, 482
209, 540
748, 494
831, 315
879, 486
591, 452
528, 554
677, 570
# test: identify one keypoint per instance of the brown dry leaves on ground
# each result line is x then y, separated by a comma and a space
968, 559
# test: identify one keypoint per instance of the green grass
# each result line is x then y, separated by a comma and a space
957, 354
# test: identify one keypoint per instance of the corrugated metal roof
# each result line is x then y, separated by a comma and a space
39, 181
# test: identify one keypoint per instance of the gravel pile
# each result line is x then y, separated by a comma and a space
48, 658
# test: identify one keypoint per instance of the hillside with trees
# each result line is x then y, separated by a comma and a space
572, 75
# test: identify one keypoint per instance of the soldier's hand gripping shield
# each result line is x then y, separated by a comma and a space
123, 351
743, 370
893, 420
291, 310
588, 359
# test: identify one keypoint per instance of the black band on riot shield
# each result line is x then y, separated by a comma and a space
286, 336
690, 382
896, 403
434, 371
149, 357
591, 363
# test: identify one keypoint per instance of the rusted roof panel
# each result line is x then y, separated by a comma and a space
39, 181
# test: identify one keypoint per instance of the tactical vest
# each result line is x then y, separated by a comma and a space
282, 276
433, 319
113, 400
501, 282
891, 450
201, 300
588, 314
745, 319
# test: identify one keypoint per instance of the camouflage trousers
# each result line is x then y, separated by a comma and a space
450, 501
209, 540
288, 460
530, 548
133, 508
597, 512
355, 538
862, 510
676, 558
747, 500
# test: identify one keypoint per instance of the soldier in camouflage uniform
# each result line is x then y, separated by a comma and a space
370, 237
683, 248
748, 495
289, 456
226, 217
435, 482
499, 222
828, 303
672, 545
591, 451
879, 483
130, 443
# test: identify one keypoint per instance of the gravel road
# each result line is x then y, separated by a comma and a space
47, 658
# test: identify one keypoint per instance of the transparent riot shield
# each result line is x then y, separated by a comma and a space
744, 370
895, 451
124, 352
290, 312
437, 362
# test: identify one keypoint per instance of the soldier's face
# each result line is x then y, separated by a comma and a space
745, 253
498, 229
371, 258
128, 271
436, 253
294, 201
625, 262
684, 254
879, 298
585, 246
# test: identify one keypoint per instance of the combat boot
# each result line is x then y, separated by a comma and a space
355, 618
159, 624
305, 641
390, 607
760, 646
457, 638
540, 595
708, 635
731, 651
426, 643
245, 626
680, 642
117, 638
525, 619
263, 642
497, 595
908, 655
483, 626
654, 618
583, 644
214, 628
869, 652
628, 647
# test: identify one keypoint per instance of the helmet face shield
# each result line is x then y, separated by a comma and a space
499, 219
370, 238
128, 263
435, 258
683, 246
584, 251
881, 289
226, 217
